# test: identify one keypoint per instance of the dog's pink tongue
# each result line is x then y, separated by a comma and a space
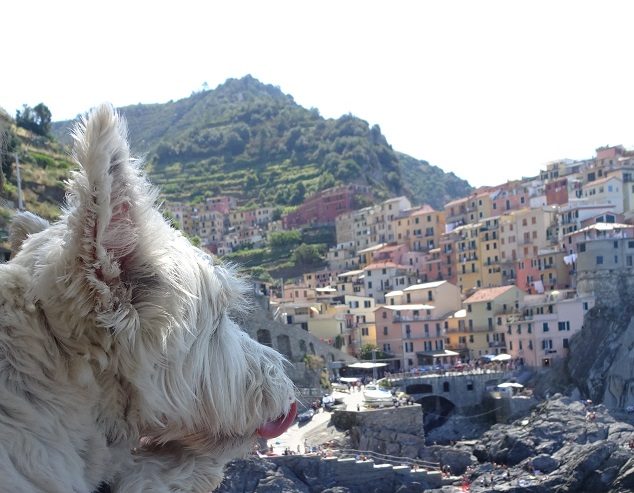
280, 425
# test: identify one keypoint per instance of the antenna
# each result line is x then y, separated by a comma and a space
17, 165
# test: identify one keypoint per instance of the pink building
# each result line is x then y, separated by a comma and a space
323, 207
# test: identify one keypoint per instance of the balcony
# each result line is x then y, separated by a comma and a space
411, 318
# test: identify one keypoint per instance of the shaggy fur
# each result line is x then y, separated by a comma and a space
118, 359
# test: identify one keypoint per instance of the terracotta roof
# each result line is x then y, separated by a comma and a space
600, 181
456, 201
383, 265
488, 294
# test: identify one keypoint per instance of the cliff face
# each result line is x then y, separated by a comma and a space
601, 361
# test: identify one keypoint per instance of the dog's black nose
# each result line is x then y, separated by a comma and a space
103, 488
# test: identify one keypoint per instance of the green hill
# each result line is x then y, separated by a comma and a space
245, 139
250, 140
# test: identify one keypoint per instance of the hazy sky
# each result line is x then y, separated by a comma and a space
488, 90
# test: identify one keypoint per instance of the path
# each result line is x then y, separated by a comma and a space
297, 433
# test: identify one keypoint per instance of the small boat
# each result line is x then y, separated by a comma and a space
373, 394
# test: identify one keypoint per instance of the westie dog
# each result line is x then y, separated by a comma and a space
119, 362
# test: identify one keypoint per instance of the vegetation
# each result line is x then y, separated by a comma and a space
366, 352
37, 119
249, 140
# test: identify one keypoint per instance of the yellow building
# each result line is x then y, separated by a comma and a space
487, 311
420, 228
489, 257
468, 268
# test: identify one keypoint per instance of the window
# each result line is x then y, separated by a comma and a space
445, 387
409, 347
581, 247
510, 345
566, 343
365, 331
563, 326
489, 305
384, 331
529, 329
370, 285
546, 328
387, 348
384, 314
599, 259
585, 306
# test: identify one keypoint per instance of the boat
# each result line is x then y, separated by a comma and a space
374, 395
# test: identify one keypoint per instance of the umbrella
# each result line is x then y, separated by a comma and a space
489, 356
510, 384
502, 357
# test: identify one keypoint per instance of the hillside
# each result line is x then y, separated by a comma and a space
250, 140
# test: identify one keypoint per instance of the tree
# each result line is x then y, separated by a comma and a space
37, 120
366, 352
281, 239
307, 255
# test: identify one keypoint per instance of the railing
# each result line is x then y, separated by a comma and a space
416, 318
387, 459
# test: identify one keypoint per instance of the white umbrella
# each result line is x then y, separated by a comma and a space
502, 357
510, 384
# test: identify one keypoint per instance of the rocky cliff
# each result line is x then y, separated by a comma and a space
563, 445
601, 360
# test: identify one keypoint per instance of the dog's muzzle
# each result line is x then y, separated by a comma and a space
280, 425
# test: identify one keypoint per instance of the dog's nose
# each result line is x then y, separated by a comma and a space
280, 425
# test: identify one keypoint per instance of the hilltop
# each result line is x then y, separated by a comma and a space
250, 140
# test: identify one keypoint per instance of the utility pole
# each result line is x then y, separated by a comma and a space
17, 165
374, 372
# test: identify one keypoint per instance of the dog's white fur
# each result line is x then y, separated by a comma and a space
118, 359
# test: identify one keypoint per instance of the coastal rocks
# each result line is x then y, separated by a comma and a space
563, 445
601, 359
575, 447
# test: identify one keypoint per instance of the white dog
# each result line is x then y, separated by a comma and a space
118, 360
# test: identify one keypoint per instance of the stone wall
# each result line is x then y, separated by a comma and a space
395, 431
611, 288
293, 342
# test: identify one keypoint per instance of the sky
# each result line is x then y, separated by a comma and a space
489, 90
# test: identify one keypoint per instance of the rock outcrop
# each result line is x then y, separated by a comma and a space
564, 445
601, 360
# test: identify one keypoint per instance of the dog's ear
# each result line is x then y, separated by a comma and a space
108, 201
24, 224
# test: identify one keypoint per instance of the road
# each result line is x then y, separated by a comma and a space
296, 434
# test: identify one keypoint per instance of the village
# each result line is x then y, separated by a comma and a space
505, 270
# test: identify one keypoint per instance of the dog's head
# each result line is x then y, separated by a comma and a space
145, 316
